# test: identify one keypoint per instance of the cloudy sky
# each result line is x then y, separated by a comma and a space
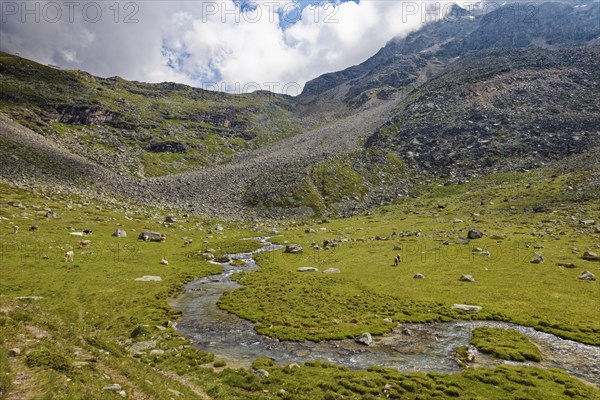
225, 45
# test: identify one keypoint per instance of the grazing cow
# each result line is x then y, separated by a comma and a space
164, 261
397, 260
187, 242
34, 228
16, 228
84, 243
69, 256
87, 231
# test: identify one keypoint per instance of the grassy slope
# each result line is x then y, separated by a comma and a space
297, 306
211, 125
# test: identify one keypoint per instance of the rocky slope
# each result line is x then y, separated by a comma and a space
499, 111
461, 97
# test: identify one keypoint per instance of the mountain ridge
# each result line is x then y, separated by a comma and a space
372, 131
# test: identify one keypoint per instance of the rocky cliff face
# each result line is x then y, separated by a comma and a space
499, 111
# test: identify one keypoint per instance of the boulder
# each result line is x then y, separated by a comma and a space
262, 374
587, 276
331, 271
119, 233
310, 230
170, 219
308, 269
115, 387
143, 346
466, 307
567, 265
538, 259
14, 352
148, 278
293, 249
365, 339
151, 236
474, 234
587, 222
419, 276
591, 256
467, 278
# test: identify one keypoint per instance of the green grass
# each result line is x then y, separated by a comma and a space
93, 309
290, 305
94, 303
316, 380
506, 344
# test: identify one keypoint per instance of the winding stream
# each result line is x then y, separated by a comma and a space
409, 348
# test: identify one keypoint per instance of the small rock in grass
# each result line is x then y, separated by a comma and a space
538, 259
14, 352
149, 278
466, 307
474, 234
467, 278
262, 374
293, 249
115, 387
567, 265
419, 276
308, 269
591, 256
331, 271
587, 276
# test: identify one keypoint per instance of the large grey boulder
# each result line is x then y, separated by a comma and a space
474, 234
587, 276
119, 233
365, 339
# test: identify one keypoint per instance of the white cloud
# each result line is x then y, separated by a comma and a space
204, 41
